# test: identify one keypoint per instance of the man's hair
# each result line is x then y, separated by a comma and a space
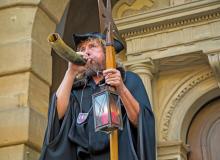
101, 41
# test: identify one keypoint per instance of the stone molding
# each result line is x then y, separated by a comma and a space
161, 20
214, 61
175, 99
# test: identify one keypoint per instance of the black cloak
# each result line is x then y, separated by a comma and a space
67, 140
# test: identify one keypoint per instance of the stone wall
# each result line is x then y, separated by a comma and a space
25, 74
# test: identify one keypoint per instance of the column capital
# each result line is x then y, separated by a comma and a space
214, 61
142, 67
145, 69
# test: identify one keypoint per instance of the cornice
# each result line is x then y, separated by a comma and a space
168, 18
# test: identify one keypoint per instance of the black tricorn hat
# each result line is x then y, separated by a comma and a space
77, 38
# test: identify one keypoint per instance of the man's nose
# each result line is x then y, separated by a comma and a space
87, 51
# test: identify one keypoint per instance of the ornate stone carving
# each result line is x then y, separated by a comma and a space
171, 24
175, 99
133, 6
214, 60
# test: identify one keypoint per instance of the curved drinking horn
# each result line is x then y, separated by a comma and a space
64, 51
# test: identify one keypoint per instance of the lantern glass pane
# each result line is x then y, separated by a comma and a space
101, 109
115, 110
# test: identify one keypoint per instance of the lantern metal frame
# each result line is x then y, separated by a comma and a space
107, 110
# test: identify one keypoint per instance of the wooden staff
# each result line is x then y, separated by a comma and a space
111, 63
107, 23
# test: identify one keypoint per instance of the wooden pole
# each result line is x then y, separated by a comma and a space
111, 63
114, 145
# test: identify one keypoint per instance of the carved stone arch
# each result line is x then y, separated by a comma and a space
173, 98
177, 91
130, 6
48, 14
193, 94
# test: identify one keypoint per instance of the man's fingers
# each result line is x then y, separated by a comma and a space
113, 79
110, 71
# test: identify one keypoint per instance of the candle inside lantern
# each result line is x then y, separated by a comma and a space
115, 118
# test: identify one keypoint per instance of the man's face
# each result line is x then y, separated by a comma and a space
94, 52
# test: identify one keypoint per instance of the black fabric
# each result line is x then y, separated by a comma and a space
71, 141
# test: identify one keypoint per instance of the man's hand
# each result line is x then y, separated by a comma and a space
113, 78
74, 69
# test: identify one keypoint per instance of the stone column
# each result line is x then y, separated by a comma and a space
144, 70
214, 61
25, 74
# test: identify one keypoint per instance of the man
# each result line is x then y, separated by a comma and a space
68, 138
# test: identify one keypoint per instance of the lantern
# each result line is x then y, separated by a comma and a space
107, 110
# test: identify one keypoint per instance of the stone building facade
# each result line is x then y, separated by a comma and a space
174, 45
